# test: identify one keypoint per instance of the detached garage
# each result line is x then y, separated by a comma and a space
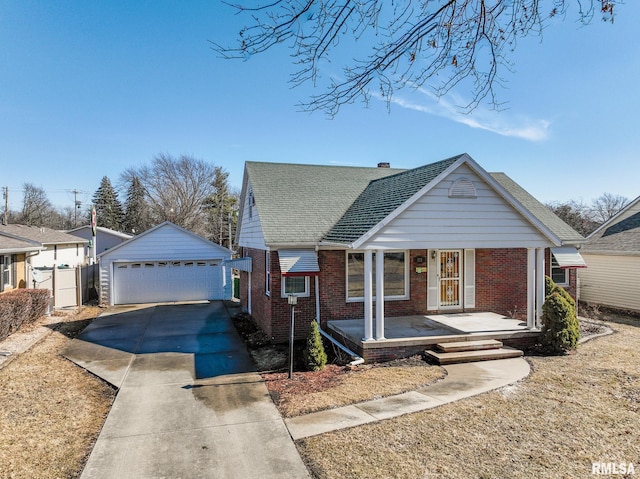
165, 263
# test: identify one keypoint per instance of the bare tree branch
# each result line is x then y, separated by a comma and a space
444, 43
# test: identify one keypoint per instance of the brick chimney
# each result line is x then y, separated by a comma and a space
384, 165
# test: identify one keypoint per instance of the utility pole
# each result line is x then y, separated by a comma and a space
76, 205
5, 194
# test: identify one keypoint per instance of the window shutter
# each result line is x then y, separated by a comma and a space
469, 278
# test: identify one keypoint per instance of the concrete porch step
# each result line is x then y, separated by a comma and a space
471, 356
468, 346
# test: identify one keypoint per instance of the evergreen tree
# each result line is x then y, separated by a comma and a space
221, 205
108, 208
136, 216
315, 356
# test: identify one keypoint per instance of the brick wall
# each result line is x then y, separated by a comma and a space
501, 278
271, 312
260, 302
333, 279
501, 281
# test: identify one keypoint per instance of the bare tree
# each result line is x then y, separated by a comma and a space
451, 43
576, 214
176, 189
606, 206
36, 207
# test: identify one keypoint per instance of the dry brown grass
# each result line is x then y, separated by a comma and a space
51, 411
570, 412
337, 386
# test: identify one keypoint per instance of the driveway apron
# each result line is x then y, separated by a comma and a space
190, 403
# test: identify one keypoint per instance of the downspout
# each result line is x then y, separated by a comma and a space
27, 271
356, 359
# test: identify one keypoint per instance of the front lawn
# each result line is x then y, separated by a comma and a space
572, 411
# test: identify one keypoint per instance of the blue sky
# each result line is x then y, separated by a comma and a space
90, 88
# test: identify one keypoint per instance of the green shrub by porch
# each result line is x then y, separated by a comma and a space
315, 357
551, 287
560, 328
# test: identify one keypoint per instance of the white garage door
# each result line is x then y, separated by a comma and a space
160, 281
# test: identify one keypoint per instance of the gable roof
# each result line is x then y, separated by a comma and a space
11, 244
41, 234
381, 197
621, 234
300, 203
104, 230
565, 233
166, 224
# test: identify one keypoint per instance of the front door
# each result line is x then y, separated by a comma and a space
450, 278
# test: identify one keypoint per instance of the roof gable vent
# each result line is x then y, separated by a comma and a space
462, 188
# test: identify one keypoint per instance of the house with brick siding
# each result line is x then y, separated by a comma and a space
446, 239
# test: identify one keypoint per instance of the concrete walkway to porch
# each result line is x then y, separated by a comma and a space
462, 381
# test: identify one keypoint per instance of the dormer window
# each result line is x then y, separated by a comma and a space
462, 188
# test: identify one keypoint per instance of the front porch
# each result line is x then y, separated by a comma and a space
408, 335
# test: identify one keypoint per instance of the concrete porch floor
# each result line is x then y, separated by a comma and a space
427, 330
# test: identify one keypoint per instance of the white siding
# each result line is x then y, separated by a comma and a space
167, 242
611, 280
64, 254
251, 235
438, 221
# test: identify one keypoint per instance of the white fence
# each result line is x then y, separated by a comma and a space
63, 284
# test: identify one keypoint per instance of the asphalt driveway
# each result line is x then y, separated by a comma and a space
190, 403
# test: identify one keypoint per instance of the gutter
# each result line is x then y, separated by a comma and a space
356, 359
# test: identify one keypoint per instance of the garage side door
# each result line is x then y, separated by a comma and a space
161, 281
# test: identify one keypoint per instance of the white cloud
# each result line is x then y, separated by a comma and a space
499, 122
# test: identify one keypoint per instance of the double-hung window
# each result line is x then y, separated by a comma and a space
296, 285
396, 275
5, 271
559, 275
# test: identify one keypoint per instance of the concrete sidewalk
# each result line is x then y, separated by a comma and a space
462, 381
189, 405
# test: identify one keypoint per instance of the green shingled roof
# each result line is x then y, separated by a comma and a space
306, 204
300, 203
381, 198
543, 214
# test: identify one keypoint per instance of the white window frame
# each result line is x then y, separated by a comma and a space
304, 294
358, 299
7, 266
553, 267
267, 273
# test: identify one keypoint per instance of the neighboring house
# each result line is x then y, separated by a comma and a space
443, 238
105, 238
612, 253
58, 248
165, 263
14, 264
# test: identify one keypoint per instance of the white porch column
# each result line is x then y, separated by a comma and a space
368, 296
380, 294
531, 287
540, 286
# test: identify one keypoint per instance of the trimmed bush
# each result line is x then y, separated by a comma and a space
560, 328
40, 302
315, 358
21, 306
